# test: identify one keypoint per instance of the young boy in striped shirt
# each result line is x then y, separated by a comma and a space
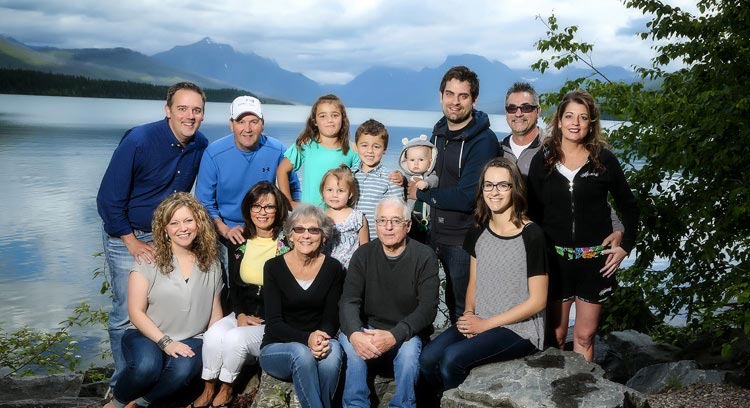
371, 139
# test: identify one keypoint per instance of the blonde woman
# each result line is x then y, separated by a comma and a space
171, 303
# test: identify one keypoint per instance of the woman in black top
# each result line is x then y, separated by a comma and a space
570, 181
302, 290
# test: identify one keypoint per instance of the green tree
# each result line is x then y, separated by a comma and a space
691, 127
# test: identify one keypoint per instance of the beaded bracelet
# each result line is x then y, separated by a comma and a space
164, 342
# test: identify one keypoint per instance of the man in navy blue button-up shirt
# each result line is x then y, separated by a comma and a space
151, 162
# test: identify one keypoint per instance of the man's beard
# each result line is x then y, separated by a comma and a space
458, 120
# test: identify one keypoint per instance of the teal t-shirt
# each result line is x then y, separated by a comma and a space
317, 161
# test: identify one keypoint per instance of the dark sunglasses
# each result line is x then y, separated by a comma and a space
525, 108
311, 230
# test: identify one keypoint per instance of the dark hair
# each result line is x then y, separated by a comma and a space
462, 74
520, 87
373, 128
593, 141
256, 192
310, 132
344, 175
482, 213
184, 85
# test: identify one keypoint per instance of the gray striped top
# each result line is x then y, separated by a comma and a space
504, 265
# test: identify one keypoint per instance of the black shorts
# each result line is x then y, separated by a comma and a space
579, 278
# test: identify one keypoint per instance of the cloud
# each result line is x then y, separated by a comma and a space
332, 41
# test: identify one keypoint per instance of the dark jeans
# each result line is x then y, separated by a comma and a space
455, 262
151, 374
447, 360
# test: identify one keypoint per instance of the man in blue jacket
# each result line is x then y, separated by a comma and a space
465, 144
151, 162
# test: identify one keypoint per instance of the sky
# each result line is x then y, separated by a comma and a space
332, 41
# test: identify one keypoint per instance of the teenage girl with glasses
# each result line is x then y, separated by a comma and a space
507, 291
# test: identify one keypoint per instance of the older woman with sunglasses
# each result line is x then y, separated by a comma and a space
302, 290
231, 341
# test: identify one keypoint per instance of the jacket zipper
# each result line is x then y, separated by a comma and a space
572, 211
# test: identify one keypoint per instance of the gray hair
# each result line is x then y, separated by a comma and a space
309, 211
520, 87
397, 201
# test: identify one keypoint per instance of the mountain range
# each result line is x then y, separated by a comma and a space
215, 65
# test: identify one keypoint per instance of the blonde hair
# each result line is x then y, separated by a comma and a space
204, 245
344, 175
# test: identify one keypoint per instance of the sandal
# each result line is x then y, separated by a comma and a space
223, 405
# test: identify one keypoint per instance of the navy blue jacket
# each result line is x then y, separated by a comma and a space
459, 165
148, 165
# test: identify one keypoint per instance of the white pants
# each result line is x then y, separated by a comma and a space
226, 347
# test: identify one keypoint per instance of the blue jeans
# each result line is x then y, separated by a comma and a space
314, 380
119, 263
455, 261
404, 358
447, 360
151, 374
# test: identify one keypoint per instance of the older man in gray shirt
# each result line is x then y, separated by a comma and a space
388, 305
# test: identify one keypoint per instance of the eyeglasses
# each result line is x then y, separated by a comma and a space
396, 222
269, 209
501, 186
525, 108
311, 230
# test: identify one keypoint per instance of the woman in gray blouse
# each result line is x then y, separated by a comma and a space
171, 302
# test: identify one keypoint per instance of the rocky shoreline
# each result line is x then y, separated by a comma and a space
631, 370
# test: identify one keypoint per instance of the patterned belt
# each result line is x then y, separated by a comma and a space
585, 252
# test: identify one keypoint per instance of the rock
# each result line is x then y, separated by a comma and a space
680, 374
41, 387
274, 393
280, 394
629, 351
95, 389
382, 391
552, 378
63, 402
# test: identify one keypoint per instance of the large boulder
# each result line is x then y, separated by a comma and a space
629, 351
552, 378
41, 387
680, 374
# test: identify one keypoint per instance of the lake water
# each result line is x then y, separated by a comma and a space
53, 153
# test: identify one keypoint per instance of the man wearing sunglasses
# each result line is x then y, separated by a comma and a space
522, 112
